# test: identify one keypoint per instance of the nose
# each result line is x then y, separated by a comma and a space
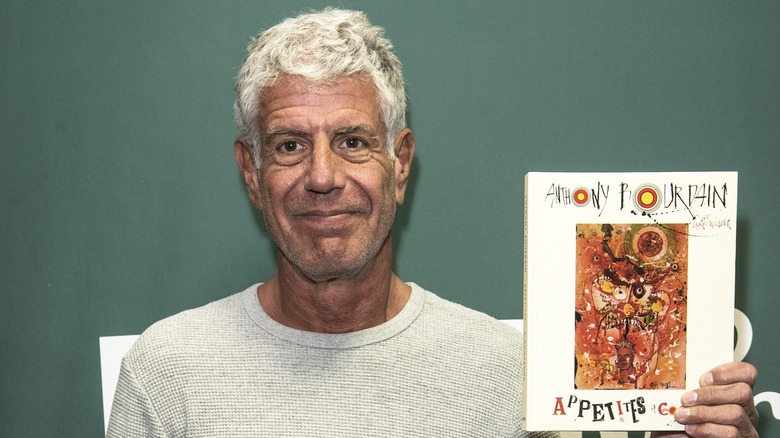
324, 172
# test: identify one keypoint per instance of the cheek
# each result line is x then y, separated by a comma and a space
389, 194
276, 184
376, 181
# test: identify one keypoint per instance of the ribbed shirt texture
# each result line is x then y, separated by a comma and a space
437, 369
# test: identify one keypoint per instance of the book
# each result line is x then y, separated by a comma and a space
629, 295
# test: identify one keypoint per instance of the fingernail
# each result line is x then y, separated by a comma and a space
690, 397
682, 414
707, 379
690, 428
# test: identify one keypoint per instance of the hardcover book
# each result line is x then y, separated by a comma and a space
629, 295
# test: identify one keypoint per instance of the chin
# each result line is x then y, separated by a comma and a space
335, 263
320, 273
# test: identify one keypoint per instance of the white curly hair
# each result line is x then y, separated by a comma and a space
320, 47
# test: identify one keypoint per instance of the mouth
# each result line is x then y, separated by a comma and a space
323, 212
324, 215
613, 320
323, 220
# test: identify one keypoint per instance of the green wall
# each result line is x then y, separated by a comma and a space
120, 201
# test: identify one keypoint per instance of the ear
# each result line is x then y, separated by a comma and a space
404, 152
246, 163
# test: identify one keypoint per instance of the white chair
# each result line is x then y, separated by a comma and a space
112, 350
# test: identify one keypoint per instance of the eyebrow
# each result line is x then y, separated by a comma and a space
359, 129
270, 135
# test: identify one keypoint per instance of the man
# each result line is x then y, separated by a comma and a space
335, 344
625, 364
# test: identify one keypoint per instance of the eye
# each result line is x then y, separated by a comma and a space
290, 146
290, 152
353, 143
353, 148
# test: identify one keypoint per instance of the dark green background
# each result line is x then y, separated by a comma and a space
121, 202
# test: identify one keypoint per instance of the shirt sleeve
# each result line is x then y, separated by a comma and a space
132, 411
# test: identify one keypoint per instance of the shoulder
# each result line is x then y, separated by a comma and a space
470, 330
461, 317
189, 332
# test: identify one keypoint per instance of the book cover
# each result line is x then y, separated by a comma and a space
629, 295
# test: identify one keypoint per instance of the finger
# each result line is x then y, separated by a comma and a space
668, 435
735, 394
719, 421
709, 430
730, 373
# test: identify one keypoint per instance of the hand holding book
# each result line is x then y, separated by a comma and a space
723, 406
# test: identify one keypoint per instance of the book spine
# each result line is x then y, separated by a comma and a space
526, 385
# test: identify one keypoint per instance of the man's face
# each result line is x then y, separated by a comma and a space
327, 185
625, 358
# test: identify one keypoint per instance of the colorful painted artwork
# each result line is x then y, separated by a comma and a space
631, 300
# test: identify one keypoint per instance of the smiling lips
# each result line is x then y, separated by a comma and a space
328, 210
324, 213
328, 219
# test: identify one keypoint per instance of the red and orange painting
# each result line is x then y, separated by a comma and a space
631, 300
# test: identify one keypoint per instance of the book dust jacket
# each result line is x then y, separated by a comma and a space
629, 295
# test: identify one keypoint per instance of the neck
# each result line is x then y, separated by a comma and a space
339, 305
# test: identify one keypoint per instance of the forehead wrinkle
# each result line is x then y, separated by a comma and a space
306, 109
338, 120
